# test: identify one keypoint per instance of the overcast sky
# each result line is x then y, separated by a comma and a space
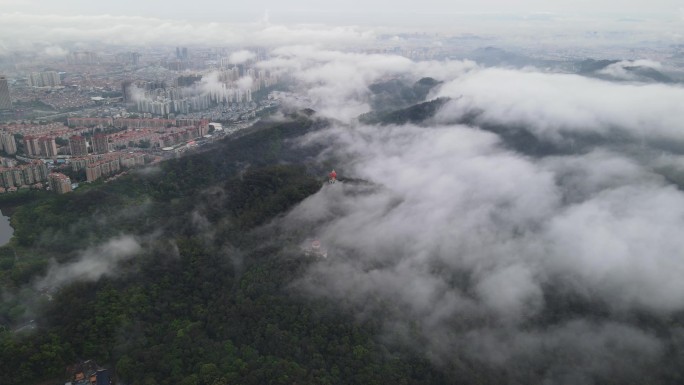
36, 24
342, 11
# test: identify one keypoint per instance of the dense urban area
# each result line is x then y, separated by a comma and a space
93, 116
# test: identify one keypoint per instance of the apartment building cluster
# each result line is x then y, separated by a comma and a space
40, 147
78, 145
128, 58
159, 98
90, 122
133, 138
8, 162
32, 174
8, 143
59, 183
162, 106
133, 122
157, 137
237, 84
35, 129
260, 78
46, 146
143, 123
181, 135
103, 168
193, 93
82, 58
104, 165
156, 132
66, 98
44, 79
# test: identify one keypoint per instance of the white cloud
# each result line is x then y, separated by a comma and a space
241, 56
621, 69
245, 82
463, 245
24, 31
552, 105
93, 263
623, 244
55, 50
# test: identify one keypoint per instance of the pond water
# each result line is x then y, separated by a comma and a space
6, 230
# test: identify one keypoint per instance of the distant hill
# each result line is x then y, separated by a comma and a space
650, 73
589, 66
396, 93
422, 87
516, 137
594, 68
415, 114
497, 57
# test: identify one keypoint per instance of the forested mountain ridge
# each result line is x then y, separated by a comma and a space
206, 300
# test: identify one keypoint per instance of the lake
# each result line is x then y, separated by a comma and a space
6, 230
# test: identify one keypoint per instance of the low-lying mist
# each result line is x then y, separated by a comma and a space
562, 268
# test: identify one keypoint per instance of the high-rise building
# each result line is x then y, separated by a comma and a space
6, 178
127, 91
78, 164
40, 171
100, 144
29, 177
18, 177
7, 162
59, 183
44, 79
93, 172
78, 146
82, 58
8, 143
31, 146
5, 99
182, 53
128, 58
48, 147
26, 174
188, 80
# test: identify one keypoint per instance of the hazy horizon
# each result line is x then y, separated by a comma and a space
27, 24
